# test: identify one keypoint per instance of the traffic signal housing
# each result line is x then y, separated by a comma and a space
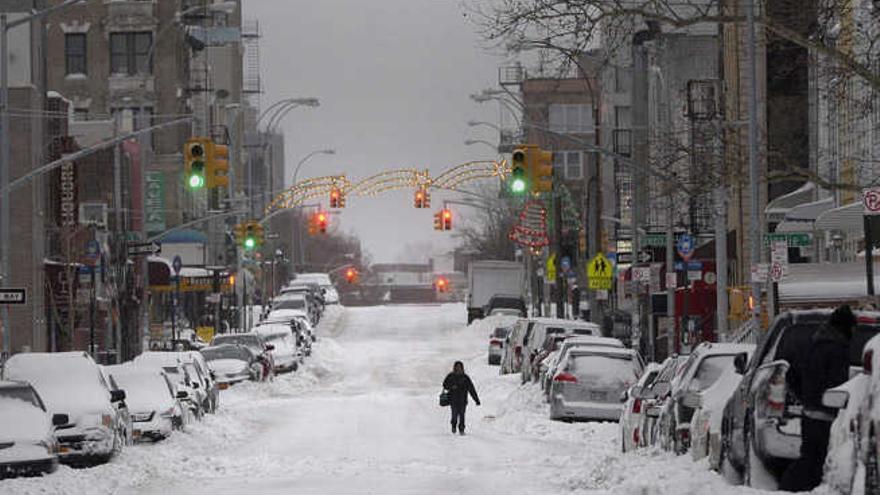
217, 174
337, 198
322, 219
541, 170
422, 198
442, 284
249, 235
351, 275
518, 184
438, 220
446, 216
195, 157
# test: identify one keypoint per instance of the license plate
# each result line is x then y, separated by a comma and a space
136, 433
223, 386
598, 395
63, 450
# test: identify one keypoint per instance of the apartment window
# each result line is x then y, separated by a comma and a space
572, 118
75, 53
568, 165
622, 130
130, 53
81, 114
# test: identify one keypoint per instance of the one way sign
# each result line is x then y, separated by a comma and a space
142, 248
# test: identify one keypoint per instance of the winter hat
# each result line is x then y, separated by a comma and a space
843, 317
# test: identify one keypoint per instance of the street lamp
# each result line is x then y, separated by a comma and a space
475, 123
5, 138
284, 105
471, 142
306, 158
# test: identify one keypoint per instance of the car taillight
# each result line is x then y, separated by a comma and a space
637, 406
684, 436
636, 435
495, 342
776, 392
867, 361
565, 377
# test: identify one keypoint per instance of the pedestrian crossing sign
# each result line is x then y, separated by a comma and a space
600, 272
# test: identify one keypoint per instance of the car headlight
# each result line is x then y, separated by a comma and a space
169, 413
107, 420
141, 417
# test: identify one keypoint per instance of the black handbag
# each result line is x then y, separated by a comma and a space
444, 398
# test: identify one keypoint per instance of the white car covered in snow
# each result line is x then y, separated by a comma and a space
704, 366
152, 401
285, 353
71, 384
590, 382
551, 363
852, 464
634, 409
27, 442
705, 428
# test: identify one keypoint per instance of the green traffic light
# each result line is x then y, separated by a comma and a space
250, 243
517, 181
196, 181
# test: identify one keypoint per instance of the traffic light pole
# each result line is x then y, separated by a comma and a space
557, 243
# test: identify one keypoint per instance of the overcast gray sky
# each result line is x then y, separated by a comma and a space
393, 77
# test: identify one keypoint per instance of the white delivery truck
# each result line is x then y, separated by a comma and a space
493, 278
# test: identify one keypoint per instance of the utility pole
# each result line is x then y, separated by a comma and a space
754, 186
557, 242
5, 136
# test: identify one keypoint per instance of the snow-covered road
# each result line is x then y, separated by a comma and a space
363, 418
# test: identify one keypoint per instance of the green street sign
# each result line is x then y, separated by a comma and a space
656, 240
794, 239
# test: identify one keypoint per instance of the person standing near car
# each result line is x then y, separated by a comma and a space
825, 366
459, 385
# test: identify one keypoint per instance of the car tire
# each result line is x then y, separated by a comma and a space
622, 441
872, 476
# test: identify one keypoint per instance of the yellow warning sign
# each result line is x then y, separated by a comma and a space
205, 333
600, 272
550, 269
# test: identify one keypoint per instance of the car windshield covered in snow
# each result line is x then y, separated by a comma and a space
21, 392
226, 352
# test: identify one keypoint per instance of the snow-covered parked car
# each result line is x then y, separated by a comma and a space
655, 395
511, 360
761, 429
71, 384
185, 387
705, 428
496, 344
591, 381
233, 363
152, 402
27, 441
551, 363
633, 409
704, 366
197, 376
536, 336
285, 353
852, 464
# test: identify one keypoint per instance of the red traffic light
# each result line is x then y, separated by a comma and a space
442, 284
351, 275
447, 214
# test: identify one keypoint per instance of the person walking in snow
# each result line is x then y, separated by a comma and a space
459, 385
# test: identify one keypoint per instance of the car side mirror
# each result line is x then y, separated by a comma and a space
653, 412
117, 395
182, 394
835, 398
195, 385
270, 347
60, 419
691, 399
740, 362
624, 396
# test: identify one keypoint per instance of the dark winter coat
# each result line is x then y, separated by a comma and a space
825, 366
459, 386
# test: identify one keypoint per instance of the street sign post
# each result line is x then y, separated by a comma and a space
144, 248
600, 272
793, 239
13, 296
685, 245
871, 200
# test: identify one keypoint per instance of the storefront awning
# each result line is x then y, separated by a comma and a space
847, 218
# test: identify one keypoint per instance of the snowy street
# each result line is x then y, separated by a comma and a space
363, 418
